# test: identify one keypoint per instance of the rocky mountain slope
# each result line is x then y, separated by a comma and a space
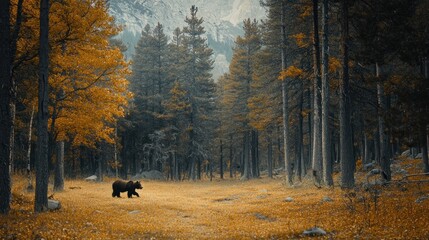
222, 21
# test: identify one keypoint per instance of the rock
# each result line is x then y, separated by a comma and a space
327, 199
422, 198
91, 178
373, 172
153, 175
288, 199
263, 217
134, 212
420, 155
406, 153
368, 166
53, 204
315, 231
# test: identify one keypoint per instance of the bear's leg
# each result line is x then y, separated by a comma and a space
113, 194
130, 194
135, 193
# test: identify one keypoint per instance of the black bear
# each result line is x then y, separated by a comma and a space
123, 186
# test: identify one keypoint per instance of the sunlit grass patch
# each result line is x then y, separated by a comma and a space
222, 209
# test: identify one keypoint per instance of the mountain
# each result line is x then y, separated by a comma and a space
222, 21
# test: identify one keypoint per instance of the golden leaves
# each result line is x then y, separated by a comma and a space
301, 40
291, 71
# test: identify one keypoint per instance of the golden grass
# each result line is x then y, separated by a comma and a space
227, 209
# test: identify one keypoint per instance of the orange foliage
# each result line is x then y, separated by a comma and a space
88, 86
300, 39
291, 71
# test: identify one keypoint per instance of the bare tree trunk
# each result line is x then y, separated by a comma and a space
30, 127
231, 162
6, 86
42, 161
347, 161
326, 146
221, 160
115, 152
246, 157
317, 123
59, 168
424, 144
384, 156
285, 98
270, 155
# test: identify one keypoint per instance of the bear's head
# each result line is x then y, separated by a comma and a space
138, 185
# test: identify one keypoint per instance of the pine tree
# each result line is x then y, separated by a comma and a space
200, 87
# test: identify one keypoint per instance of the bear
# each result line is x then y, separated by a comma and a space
123, 186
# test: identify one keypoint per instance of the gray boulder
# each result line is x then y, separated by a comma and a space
91, 178
53, 204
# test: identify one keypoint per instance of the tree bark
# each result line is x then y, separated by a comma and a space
6, 86
317, 123
221, 160
270, 155
30, 127
42, 161
424, 143
326, 146
285, 98
59, 168
384, 156
346, 155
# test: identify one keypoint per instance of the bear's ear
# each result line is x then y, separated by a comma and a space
137, 182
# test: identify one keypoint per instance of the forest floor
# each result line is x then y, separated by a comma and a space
223, 209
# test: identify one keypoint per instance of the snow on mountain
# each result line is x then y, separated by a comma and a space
222, 21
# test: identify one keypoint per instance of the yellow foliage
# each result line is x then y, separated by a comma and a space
300, 39
88, 86
291, 71
334, 64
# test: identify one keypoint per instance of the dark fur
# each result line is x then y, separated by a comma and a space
123, 186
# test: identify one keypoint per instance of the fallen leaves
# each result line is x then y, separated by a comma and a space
224, 209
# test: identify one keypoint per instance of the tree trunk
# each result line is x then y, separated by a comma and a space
231, 162
59, 168
12, 136
42, 161
317, 123
310, 133
285, 98
6, 86
221, 160
246, 157
270, 155
30, 127
346, 157
326, 145
424, 143
384, 156
300, 163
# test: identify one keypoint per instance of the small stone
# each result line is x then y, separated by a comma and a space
327, 199
422, 198
134, 212
288, 199
315, 231
91, 178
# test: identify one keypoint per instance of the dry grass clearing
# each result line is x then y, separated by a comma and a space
227, 209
